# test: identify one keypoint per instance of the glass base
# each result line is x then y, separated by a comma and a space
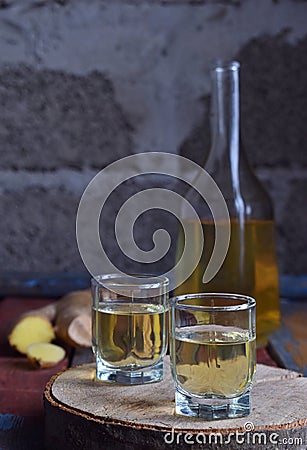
146, 375
212, 408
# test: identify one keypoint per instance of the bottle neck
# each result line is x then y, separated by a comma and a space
227, 162
224, 158
226, 110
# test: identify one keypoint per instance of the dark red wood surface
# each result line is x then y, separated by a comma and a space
263, 357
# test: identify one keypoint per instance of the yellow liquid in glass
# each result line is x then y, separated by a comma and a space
210, 359
130, 336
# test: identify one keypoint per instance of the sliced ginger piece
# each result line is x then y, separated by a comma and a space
43, 355
29, 330
71, 316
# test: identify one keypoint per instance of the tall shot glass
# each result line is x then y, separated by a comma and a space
213, 354
130, 327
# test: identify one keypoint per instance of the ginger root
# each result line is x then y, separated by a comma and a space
71, 317
30, 329
42, 355
73, 320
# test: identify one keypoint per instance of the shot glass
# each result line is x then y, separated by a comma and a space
213, 354
130, 327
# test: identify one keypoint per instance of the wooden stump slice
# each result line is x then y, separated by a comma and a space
82, 413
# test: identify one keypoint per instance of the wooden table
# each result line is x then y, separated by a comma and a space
21, 388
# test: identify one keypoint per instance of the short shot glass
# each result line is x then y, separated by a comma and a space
213, 354
129, 327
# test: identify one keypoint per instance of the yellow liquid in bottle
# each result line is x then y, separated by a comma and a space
249, 268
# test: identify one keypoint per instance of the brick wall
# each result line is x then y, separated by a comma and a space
85, 83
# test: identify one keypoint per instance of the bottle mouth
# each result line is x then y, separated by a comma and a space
225, 66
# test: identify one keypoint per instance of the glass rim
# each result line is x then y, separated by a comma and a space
249, 302
154, 281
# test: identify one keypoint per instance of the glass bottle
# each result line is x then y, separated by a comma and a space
250, 265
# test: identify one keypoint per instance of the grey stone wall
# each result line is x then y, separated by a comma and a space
83, 84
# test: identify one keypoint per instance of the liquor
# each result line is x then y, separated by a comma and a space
213, 360
130, 335
249, 268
